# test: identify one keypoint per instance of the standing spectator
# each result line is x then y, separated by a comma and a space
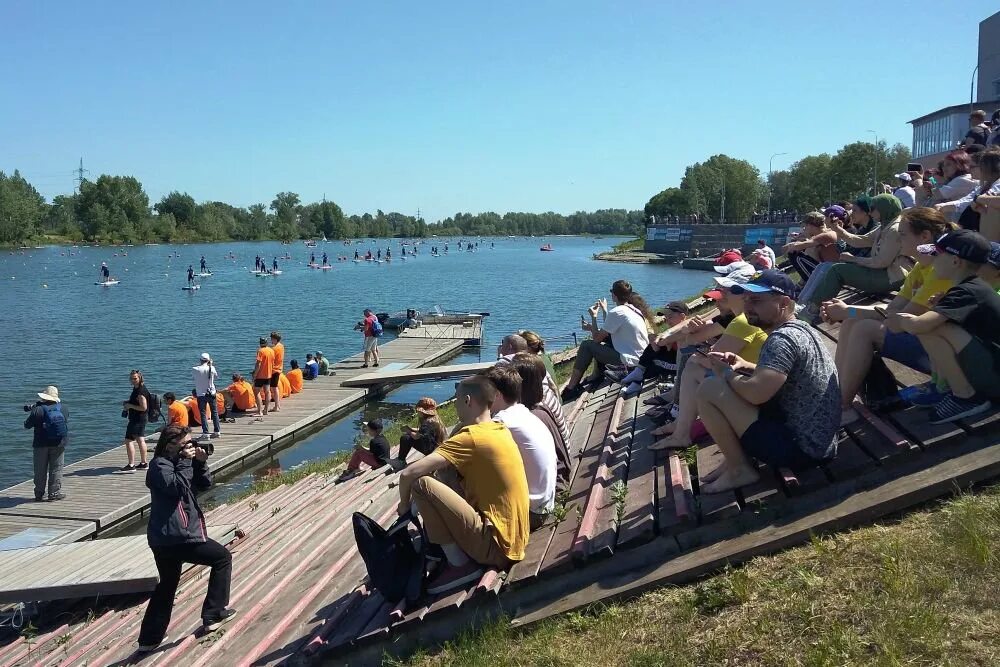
430, 432
961, 333
135, 410
176, 534
785, 409
767, 250
205, 375
277, 366
979, 130
371, 339
262, 374
322, 363
48, 417
488, 523
905, 192
375, 456
538, 449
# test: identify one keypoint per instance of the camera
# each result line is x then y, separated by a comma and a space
208, 447
28, 407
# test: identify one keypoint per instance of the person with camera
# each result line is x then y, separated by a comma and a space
135, 410
48, 417
205, 375
176, 535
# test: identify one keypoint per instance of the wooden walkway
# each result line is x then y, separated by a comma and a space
635, 520
100, 496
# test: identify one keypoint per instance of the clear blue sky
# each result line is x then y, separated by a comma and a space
463, 106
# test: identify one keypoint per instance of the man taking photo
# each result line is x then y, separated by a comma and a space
48, 418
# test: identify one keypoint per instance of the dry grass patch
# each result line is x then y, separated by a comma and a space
922, 591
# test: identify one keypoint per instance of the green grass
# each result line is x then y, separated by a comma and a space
626, 246
918, 592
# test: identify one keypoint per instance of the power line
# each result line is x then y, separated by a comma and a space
80, 171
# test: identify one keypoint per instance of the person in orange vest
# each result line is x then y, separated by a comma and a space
177, 412
262, 375
295, 377
276, 367
284, 386
242, 394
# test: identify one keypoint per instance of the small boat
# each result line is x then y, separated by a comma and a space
547, 248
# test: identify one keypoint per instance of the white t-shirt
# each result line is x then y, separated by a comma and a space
767, 250
538, 452
627, 327
204, 379
906, 195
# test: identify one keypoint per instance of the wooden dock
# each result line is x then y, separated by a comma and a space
471, 331
101, 497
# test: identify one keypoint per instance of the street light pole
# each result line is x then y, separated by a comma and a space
875, 173
769, 172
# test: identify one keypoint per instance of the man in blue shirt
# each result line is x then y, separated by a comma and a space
312, 368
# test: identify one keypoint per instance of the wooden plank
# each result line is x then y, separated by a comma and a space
714, 506
915, 425
640, 515
850, 460
678, 479
417, 374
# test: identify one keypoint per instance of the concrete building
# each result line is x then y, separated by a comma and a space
937, 132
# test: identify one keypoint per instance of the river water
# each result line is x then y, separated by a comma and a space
63, 329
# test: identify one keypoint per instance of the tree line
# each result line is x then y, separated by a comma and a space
116, 209
723, 188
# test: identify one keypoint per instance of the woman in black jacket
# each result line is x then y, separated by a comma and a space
176, 534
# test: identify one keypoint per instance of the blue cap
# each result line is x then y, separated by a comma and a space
768, 281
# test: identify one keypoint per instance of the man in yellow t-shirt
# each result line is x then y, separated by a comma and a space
489, 525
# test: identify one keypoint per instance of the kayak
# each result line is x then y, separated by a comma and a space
107, 283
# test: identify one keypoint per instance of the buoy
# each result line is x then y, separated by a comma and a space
45, 286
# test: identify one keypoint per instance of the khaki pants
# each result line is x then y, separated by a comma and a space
449, 519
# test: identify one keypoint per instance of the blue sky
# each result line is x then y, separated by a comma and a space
463, 106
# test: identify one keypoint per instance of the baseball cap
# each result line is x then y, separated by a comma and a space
994, 254
319, 353
768, 281
205, 356
714, 295
835, 211
962, 243
736, 278
903, 176
740, 266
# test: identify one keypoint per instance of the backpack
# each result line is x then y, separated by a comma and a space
154, 408
879, 390
376, 328
54, 426
395, 562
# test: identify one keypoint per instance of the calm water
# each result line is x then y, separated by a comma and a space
64, 330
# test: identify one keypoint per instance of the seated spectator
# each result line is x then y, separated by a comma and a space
295, 377
760, 260
242, 395
191, 403
550, 390
660, 356
865, 331
904, 192
312, 368
625, 327
488, 524
961, 333
986, 169
955, 180
739, 338
767, 250
322, 363
729, 256
284, 386
880, 273
511, 345
784, 410
177, 412
538, 449
533, 382
859, 222
536, 345
430, 432
815, 245
375, 456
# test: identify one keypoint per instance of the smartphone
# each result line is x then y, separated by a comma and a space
880, 310
703, 350
914, 166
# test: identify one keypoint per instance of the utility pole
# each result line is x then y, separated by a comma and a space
80, 171
722, 207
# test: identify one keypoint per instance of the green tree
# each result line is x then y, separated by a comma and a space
671, 201
723, 182
181, 205
21, 209
112, 207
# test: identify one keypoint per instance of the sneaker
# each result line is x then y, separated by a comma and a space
616, 375
924, 395
217, 434
128, 468
450, 577
952, 407
142, 466
150, 647
346, 475
568, 394
211, 626
364, 365
375, 364
632, 390
58, 496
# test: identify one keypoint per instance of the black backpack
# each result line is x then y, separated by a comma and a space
395, 562
154, 408
879, 390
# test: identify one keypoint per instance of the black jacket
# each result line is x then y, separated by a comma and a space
35, 420
175, 516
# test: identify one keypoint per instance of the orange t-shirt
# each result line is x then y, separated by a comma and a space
295, 379
192, 403
279, 358
265, 359
242, 393
284, 386
177, 414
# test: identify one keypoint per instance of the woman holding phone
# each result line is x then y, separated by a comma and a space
867, 330
176, 534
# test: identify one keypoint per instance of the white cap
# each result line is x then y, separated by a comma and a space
205, 356
903, 176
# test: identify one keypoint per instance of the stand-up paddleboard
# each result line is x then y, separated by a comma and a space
107, 283
357, 261
204, 274
325, 267
313, 266
191, 288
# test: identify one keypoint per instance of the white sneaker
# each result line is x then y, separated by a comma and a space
632, 390
149, 648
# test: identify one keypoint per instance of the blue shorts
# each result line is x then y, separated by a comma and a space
906, 349
772, 442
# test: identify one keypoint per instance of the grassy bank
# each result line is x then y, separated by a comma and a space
626, 246
921, 591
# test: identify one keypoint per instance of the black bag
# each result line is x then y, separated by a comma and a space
879, 390
154, 408
969, 218
394, 561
